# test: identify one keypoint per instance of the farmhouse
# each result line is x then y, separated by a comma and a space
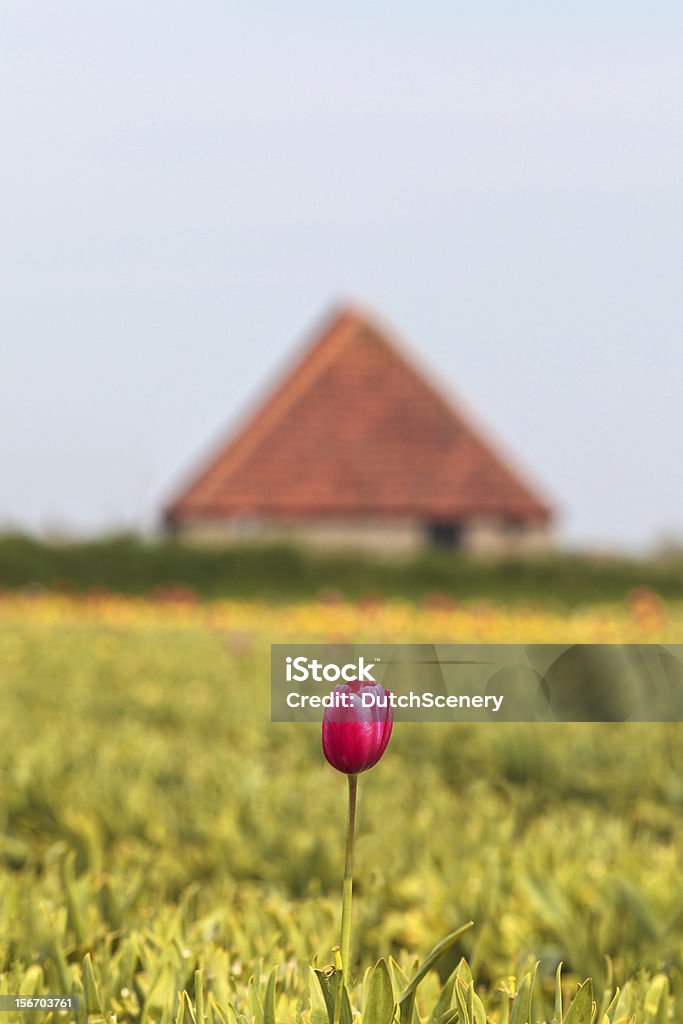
356, 448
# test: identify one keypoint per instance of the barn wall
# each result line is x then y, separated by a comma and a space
372, 535
485, 537
491, 538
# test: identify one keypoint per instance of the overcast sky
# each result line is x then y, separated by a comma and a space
187, 187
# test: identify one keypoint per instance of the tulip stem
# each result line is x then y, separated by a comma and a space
347, 888
347, 893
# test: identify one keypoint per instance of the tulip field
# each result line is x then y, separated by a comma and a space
167, 854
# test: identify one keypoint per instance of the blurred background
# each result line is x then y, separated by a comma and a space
189, 190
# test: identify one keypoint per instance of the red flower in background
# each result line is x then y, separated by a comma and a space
356, 736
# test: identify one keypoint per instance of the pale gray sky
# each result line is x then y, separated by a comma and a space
186, 188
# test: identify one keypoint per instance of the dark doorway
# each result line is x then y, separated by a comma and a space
445, 535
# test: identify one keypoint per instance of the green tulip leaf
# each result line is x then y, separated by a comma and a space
215, 1012
521, 1006
185, 1013
479, 1009
463, 971
380, 1005
557, 1015
255, 1003
432, 959
443, 1005
91, 990
199, 996
319, 1014
463, 996
581, 1009
656, 1000
609, 1012
406, 1009
269, 1000
625, 1004
329, 980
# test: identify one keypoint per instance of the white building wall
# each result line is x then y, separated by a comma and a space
484, 537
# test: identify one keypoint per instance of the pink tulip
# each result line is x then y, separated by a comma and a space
355, 737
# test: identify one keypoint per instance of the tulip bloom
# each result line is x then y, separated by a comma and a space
355, 735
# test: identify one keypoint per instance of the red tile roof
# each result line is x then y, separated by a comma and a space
355, 430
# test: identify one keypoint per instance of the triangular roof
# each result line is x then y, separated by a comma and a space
355, 430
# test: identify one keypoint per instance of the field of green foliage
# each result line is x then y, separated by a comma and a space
160, 836
132, 565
